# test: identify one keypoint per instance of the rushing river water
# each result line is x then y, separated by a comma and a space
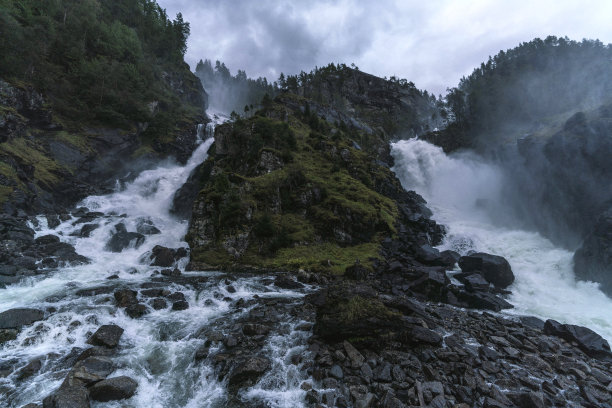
157, 349
459, 190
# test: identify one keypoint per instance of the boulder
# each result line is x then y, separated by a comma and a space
248, 370
125, 297
588, 341
593, 260
107, 336
92, 369
495, 269
113, 389
136, 310
285, 282
123, 239
356, 272
71, 394
163, 256
19, 317
30, 369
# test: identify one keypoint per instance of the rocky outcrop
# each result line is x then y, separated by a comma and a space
593, 260
374, 346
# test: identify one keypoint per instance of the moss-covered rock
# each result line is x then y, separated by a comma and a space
287, 190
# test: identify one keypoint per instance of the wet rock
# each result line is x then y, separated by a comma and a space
106, 336
495, 269
123, 239
145, 226
336, 372
248, 370
432, 283
136, 310
180, 305
171, 272
177, 296
71, 394
473, 282
19, 317
158, 304
254, 329
113, 389
202, 352
482, 300
30, 369
593, 259
155, 292
99, 290
162, 256
125, 297
92, 369
285, 282
8, 335
588, 341
449, 258
86, 230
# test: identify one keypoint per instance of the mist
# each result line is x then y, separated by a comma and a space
232, 93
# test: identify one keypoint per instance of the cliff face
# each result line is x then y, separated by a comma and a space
46, 165
392, 108
285, 189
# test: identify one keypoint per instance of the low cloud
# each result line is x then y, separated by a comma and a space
432, 43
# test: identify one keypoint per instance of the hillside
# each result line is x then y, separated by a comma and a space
88, 89
526, 90
285, 189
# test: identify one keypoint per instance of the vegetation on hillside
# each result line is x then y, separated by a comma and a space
289, 190
532, 84
98, 62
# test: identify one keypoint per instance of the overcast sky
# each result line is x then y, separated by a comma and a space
430, 42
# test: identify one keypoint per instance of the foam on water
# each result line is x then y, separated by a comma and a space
157, 349
462, 190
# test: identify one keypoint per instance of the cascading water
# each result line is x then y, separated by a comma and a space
157, 349
463, 192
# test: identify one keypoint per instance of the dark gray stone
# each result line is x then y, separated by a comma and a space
113, 389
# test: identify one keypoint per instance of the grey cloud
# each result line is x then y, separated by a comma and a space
433, 43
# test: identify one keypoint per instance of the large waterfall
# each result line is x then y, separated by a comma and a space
464, 193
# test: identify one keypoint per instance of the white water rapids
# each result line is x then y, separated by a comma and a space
157, 350
459, 189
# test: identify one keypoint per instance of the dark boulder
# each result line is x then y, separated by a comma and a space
86, 230
92, 369
248, 370
145, 226
495, 269
163, 256
30, 369
285, 282
432, 283
588, 341
356, 272
593, 260
113, 389
180, 305
19, 317
125, 297
71, 394
481, 300
107, 336
449, 258
473, 281
136, 310
123, 239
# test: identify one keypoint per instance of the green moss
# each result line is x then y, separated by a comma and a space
323, 257
80, 141
45, 169
5, 193
358, 307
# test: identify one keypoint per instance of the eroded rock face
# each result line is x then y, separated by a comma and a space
593, 260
